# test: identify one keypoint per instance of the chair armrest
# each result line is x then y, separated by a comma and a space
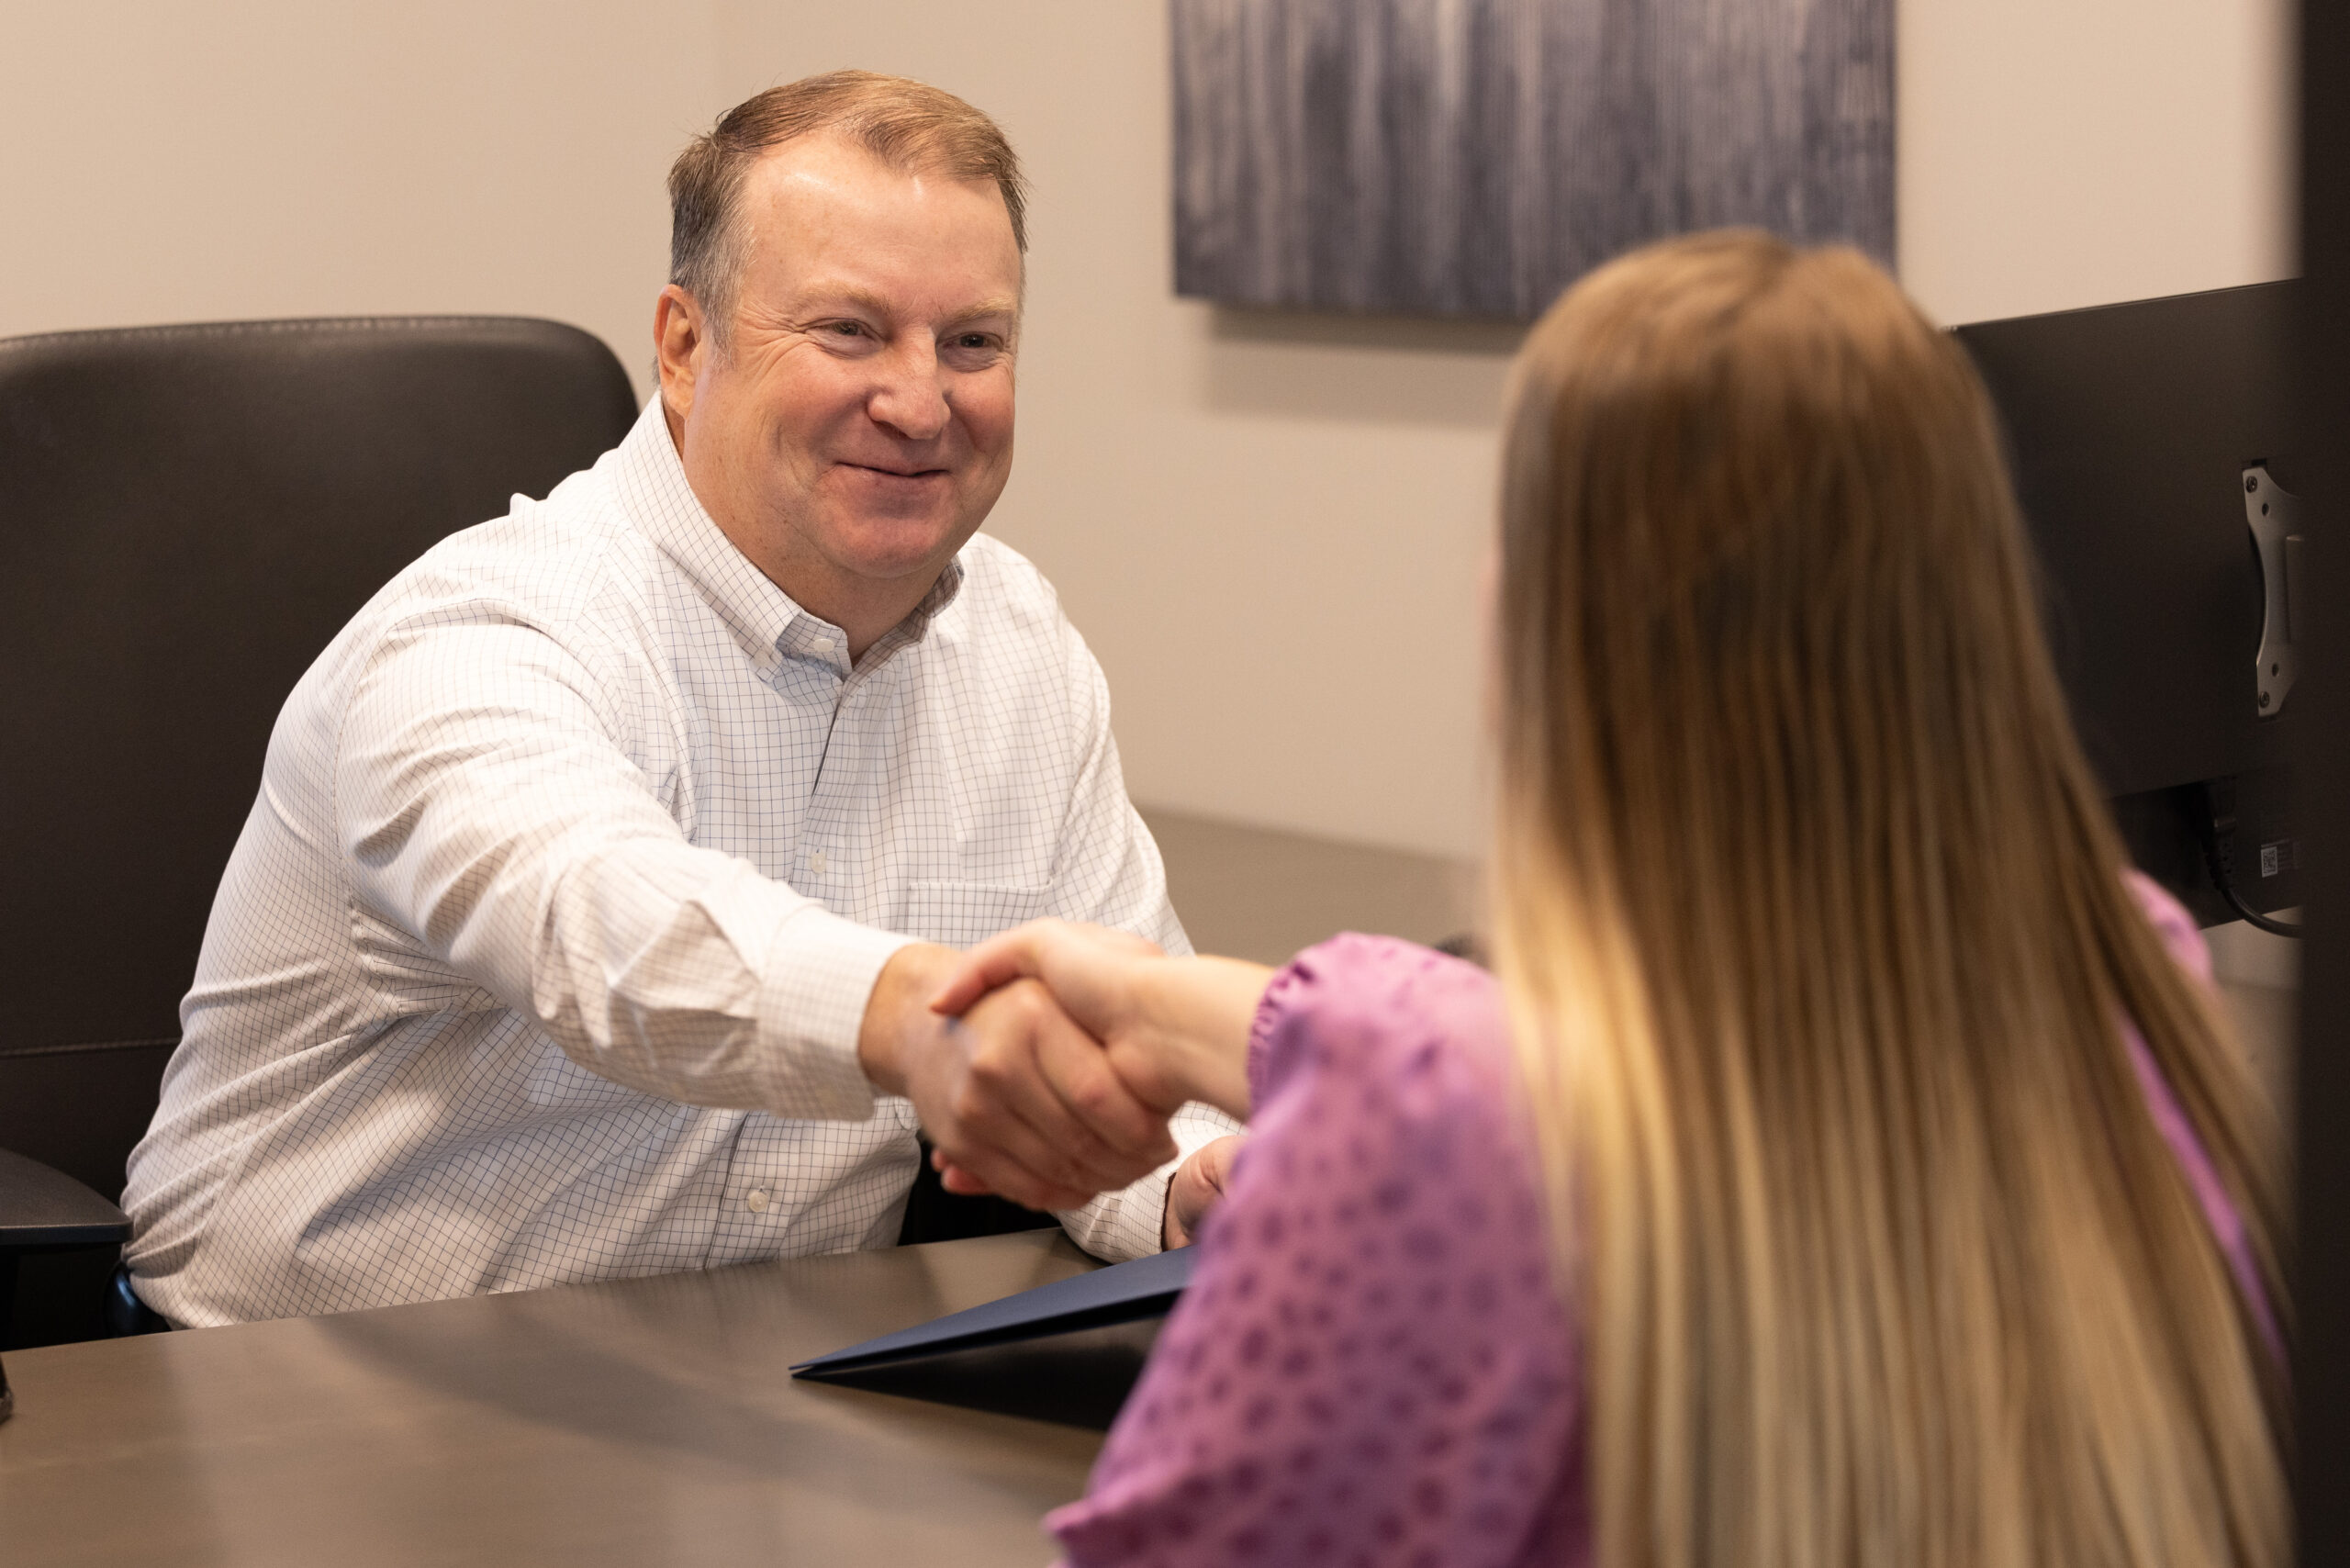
40, 1208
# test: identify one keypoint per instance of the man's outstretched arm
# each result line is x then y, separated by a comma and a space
487, 810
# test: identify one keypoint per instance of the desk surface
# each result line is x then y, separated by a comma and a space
640, 1422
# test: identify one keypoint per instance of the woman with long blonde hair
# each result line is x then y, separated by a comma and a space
1848, 1164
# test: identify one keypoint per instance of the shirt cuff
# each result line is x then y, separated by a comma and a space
1120, 1227
820, 975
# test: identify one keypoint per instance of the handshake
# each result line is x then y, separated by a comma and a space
1044, 1063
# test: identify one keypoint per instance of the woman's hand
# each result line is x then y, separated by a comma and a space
1174, 1029
1196, 1187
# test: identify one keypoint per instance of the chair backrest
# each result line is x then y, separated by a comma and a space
187, 516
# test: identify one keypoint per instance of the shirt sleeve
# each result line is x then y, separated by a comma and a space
1371, 1364
487, 810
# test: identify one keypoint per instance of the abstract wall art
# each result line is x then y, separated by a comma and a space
1473, 157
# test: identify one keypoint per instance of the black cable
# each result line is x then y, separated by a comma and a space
2254, 918
2216, 826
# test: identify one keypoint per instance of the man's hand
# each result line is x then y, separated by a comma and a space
1195, 1188
1018, 1099
1175, 1029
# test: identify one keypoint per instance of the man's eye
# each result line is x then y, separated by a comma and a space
848, 328
973, 340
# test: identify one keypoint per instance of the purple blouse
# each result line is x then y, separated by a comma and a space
1372, 1363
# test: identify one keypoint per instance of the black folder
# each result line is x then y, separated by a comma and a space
1147, 1287
1068, 1352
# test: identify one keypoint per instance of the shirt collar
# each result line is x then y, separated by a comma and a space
654, 493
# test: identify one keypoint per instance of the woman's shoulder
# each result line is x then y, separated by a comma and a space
1391, 1063
2180, 936
1381, 1010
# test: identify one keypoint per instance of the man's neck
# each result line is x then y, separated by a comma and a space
864, 616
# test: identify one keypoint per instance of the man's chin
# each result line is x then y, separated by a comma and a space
891, 550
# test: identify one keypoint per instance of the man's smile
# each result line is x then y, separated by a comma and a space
895, 472
890, 479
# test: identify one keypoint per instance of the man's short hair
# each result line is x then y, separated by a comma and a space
908, 125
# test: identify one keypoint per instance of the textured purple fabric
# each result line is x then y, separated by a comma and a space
2186, 944
1373, 1364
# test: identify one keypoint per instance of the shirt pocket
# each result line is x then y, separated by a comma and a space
960, 913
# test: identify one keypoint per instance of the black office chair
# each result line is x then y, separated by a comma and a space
187, 516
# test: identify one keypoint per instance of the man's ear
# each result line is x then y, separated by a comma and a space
681, 339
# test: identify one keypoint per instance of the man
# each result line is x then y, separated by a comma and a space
604, 866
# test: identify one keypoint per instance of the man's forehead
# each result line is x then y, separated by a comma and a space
821, 206
824, 168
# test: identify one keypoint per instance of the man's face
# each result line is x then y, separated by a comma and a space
857, 428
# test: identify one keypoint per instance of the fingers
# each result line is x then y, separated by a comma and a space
1007, 1168
1032, 1109
1038, 1111
957, 1180
1111, 1107
1197, 1187
1081, 964
998, 1127
1010, 1183
995, 962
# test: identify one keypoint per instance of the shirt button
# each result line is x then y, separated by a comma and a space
757, 1202
822, 645
816, 862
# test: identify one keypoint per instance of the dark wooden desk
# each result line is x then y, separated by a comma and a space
644, 1422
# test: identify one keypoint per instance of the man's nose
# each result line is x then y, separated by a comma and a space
909, 397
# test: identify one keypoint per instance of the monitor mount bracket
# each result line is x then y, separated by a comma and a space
2275, 515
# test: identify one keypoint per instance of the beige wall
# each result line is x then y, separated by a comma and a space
2056, 154
1269, 527
195, 159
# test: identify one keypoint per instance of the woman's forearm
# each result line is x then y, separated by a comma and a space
1198, 1012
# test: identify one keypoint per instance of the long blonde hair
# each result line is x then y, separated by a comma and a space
1815, 931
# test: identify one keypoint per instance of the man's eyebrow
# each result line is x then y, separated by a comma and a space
984, 310
824, 295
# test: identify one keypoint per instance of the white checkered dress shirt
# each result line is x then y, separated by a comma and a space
544, 952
